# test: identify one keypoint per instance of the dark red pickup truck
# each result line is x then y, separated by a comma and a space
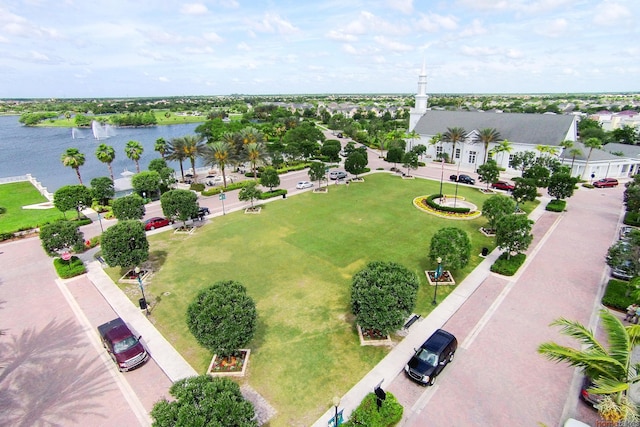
125, 349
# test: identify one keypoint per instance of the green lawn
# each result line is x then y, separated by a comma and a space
296, 259
17, 194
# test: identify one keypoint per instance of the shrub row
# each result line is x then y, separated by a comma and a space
556, 205
632, 218
74, 267
451, 209
368, 414
275, 193
508, 267
615, 295
230, 187
197, 186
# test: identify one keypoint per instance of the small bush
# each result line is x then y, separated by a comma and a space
587, 185
5, 236
379, 169
632, 218
367, 414
66, 269
2, 210
508, 267
250, 174
615, 295
197, 187
556, 205
275, 193
293, 167
230, 187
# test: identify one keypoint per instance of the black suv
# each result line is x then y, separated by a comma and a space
465, 179
431, 358
202, 212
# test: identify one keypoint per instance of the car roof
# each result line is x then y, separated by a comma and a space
438, 340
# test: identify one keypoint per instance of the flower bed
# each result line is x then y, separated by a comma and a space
446, 279
254, 210
189, 229
232, 366
373, 337
422, 204
132, 277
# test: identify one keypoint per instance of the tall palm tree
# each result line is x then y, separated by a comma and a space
504, 146
161, 146
488, 136
611, 369
254, 153
454, 135
413, 135
175, 151
218, 153
193, 147
134, 150
106, 154
547, 150
74, 159
435, 139
251, 134
574, 152
566, 145
590, 143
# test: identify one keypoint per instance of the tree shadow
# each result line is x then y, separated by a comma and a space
43, 382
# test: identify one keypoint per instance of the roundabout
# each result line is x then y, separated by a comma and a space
447, 202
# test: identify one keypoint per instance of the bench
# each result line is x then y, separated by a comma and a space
411, 321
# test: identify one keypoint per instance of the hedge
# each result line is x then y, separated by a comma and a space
508, 267
367, 413
230, 187
66, 269
451, 209
615, 295
632, 218
275, 193
556, 205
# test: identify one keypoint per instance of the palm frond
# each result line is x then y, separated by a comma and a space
580, 333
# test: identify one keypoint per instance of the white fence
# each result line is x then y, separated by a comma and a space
43, 190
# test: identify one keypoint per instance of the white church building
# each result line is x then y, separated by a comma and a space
525, 132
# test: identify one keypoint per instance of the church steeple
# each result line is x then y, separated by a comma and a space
422, 98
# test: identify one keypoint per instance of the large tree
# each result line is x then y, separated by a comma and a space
454, 135
222, 317
204, 401
219, 154
383, 295
513, 233
60, 236
395, 155
561, 185
317, 171
128, 207
591, 144
72, 197
488, 136
175, 152
255, 153
193, 147
269, 178
106, 154
125, 244
73, 158
452, 246
356, 162
134, 151
489, 172
607, 363
495, 207
249, 192
102, 189
146, 183
410, 161
179, 204
161, 146
525, 190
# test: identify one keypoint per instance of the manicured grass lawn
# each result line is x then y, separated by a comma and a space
17, 194
296, 259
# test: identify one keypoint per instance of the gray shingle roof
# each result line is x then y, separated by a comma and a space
534, 129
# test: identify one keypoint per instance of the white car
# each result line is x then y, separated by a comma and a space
304, 184
214, 180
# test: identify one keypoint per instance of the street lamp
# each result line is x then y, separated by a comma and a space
437, 275
146, 306
336, 403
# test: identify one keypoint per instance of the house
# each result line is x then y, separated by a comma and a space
524, 132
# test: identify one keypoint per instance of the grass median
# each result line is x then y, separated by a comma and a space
15, 195
296, 259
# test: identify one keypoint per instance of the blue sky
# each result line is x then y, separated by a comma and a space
125, 48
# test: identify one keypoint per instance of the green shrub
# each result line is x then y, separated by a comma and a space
5, 236
556, 205
197, 186
379, 169
615, 295
434, 205
293, 167
250, 174
422, 164
508, 267
367, 413
2, 210
275, 193
587, 185
230, 187
632, 218
66, 269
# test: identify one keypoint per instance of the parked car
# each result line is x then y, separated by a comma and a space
589, 398
123, 346
431, 358
503, 185
156, 222
304, 184
465, 179
337, 174
214, 180
625, 231
605, 182
624, 272
340, 135
202, 212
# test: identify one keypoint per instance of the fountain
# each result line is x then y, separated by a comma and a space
102, 131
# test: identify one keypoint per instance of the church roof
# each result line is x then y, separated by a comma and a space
534, 129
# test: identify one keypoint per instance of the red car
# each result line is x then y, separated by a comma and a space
503, 185
606, 182
156, 222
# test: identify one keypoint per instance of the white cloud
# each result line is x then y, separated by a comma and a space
555, 28
392, 45
273, 23
348, 48
475, 29
212, 37
341, 36
194, 9
611, 13
433, 22
164, 79
243, 46
404, 6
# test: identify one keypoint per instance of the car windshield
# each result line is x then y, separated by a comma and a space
124, 345
428, 357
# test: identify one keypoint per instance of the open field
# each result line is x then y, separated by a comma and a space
296, 259
17, 194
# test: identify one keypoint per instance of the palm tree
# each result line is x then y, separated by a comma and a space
134, 150
547, 150
454, 135
175, 151
74, 159
487, 136
413, 135
503, 147
575, 152
218, 154
161, 147
106, 154
193, 147
254, 152
611, 370
590, 143
435, 139
566, 145
251, 134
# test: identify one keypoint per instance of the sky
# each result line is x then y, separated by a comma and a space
141, 48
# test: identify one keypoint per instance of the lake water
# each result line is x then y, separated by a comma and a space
37, 150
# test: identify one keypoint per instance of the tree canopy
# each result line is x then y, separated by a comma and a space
453, 246
60, 236
269, 178
128, 207
356, 163
72, 197
513, 233
125, 244
561, 185
179, 204
102, 189
249, 192
495, 207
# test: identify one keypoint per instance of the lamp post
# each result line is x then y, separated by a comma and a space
146, 306
336, 403
441, 175
437, 275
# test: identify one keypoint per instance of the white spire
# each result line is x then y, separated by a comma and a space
421, 97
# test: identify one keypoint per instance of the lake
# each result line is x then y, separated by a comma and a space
37, 150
